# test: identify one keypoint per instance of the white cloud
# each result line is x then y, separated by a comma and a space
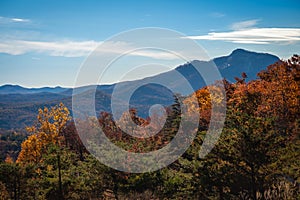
20, 20
78, 49
244, 24
254, 36
8, 20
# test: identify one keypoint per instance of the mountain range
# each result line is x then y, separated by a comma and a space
19, 105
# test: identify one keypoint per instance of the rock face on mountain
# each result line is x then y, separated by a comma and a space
18, 105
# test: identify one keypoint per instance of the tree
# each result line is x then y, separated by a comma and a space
47, 130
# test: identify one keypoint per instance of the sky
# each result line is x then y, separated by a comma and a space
45, 43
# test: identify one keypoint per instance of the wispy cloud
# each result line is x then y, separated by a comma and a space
65, 48
19, 20
130, 49
8, 20
77, 48
244, 24
217, 15
155, 54
35, 58
254, 36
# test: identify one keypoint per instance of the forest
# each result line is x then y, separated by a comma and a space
256, 157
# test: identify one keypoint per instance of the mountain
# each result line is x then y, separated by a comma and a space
230, 66
240, 61
18, 105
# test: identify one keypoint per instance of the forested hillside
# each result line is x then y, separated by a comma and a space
256, 157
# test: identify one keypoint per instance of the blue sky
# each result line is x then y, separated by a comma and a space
44, 43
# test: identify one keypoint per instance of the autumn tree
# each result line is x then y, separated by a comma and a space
47, 130
44, 134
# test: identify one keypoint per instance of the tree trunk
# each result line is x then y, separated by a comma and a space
253, 184
59, 178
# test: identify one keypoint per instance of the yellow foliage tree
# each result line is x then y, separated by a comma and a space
203, 101
46, 131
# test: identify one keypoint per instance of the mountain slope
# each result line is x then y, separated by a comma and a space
240, 61
230, 66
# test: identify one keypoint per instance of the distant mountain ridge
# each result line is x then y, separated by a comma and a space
16, 89
18, 105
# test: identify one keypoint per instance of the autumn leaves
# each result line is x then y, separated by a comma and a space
47, 131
